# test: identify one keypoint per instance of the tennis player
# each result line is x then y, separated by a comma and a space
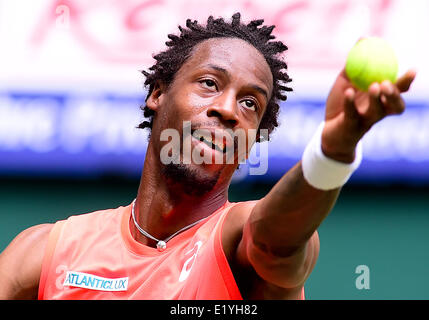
181, 238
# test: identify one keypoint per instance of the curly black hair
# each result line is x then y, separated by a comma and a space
180, 47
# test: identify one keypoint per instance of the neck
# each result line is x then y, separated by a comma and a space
163, 207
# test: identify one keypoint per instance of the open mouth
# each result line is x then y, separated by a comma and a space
205, 137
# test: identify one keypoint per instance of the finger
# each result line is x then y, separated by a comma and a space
350, 110
391, 98
375, 110
403, 83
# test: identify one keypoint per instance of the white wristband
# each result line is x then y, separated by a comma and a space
322, 172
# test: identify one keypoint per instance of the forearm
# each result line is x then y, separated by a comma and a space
279, 239
287, 217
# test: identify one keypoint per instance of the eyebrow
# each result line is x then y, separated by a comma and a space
217, 68
259, 89
252, 86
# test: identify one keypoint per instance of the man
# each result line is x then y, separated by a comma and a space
181, 238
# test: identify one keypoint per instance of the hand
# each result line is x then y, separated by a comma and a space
350, 113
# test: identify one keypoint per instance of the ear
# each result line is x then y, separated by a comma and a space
156, 96
261, 137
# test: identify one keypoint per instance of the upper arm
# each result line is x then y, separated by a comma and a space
273, 276
287, 272
21, 263
279, 239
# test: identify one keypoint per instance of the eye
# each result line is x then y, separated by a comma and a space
208, 84
248, 104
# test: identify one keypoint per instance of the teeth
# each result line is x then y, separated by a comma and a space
201, 135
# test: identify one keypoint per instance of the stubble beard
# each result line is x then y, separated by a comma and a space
192, 180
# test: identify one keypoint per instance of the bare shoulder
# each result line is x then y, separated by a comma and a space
233, 226
252, 285
21, 263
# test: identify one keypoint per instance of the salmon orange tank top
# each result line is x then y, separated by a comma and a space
94, 256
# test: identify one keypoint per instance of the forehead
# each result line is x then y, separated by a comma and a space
237, 56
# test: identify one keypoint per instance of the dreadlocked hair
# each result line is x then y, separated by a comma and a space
180, 47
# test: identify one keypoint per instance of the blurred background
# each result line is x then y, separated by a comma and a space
71, 88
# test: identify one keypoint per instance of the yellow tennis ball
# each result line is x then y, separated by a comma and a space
371, 60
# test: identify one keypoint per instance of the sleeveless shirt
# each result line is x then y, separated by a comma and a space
94, 256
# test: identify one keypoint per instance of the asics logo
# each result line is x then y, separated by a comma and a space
187, 266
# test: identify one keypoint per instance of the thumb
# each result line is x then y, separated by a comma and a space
404, 82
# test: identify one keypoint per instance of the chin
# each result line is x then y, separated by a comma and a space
196, 180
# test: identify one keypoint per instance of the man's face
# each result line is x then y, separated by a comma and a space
223, 87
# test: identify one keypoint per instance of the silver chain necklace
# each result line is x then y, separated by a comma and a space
161, 244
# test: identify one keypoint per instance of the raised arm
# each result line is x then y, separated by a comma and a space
279, 239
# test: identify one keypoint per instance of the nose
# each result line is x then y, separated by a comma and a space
225, 108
